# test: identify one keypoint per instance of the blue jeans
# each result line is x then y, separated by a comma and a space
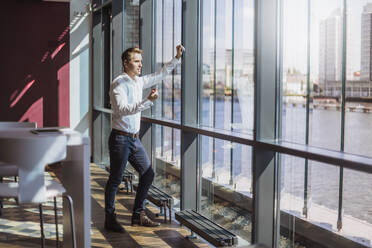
123, 149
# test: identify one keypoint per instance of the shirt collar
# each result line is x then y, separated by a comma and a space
127, 77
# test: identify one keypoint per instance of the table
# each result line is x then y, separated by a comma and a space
32, 152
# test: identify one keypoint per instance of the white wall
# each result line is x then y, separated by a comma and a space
79, 66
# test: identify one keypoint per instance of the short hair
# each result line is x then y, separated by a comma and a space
127, 54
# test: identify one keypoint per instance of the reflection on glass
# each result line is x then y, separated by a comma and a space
318, 186
131, 39
167, 85
357, 214
226, 185
168, 36
223, 55
291, 197
358, 118
166, 162
326, 47
208, 64
321, 207
227, 65
295, 21
243, 66
359, 79
177, 72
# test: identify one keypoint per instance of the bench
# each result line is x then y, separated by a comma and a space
127, 179
205, 228
160, 199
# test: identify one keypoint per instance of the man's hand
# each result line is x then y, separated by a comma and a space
153, 95
180, 50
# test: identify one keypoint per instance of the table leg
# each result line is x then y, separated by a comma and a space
76, 180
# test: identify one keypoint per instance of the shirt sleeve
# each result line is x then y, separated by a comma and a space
154, 78
119, 101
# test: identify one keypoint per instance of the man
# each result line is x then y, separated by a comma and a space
124, 144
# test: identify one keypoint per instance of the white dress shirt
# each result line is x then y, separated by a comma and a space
126, 97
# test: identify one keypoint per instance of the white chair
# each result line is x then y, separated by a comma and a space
14, 124
10, 170
53, 189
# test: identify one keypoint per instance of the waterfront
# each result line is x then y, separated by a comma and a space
325, 132
219, 158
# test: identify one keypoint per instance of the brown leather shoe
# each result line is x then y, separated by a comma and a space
144, 220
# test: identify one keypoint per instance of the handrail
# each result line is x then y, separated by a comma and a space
101, 109
336, 158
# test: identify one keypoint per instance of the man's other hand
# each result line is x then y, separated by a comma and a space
180, 50
153, 95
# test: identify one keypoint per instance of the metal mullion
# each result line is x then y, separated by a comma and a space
172, 136
153, 64
106, 65
108, 2
96, 66
153, 39
214, 88
106, 52
307, 133
162, 83
264, 216
343, 98
199, 104
232, 90
278, 124
189, 141
111, 44
232, 62
173, 37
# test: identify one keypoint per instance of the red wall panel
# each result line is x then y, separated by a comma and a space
34, 71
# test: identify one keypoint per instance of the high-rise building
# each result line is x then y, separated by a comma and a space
366, 44
330, 51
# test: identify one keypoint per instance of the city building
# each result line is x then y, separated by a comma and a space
366, 49
330, 51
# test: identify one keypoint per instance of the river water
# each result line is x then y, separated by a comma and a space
323, 179
324, 132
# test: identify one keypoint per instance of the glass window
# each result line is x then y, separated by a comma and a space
226, 97
357, 214
295, 71
326, 48
131, 27
167, 37
333, 200
166, 161
318, 196
358, 115
312, 56
226, 195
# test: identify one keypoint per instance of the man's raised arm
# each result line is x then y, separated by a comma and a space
156, 77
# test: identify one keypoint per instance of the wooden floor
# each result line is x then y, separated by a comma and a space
167, 235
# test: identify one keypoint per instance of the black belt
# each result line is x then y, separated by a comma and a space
132, 135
